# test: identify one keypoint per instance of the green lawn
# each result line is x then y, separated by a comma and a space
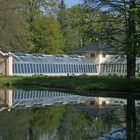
98, 83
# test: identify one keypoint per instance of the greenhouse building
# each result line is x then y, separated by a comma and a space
116, 64
30, 64
67, 65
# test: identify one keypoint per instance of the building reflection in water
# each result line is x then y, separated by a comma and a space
16, 98
6, 99
20, 98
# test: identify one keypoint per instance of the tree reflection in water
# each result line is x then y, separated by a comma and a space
55, 122
69, 122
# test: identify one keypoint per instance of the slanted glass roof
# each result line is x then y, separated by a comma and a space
42, 58
116, 59
42, 98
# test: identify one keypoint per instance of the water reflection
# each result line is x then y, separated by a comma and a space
55, 115
33, 98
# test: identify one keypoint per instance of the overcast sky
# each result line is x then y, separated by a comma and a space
70, 3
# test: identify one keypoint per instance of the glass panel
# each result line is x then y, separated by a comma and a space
34, 68
109, 68
86, 69
19, 68
14, 68
52, 68
31, 68
72, 69
113, 70
48, 68
55, 68
38, 68
28, 68
80, 68
22, 68
75, 68
92, 68
66, 68
105, 68
89, 68
61, 67
43, 67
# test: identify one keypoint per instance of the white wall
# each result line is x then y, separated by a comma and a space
6, 64
98, 58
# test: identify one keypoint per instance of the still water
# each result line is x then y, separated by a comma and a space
56, 115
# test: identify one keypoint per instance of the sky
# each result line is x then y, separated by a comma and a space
70, 3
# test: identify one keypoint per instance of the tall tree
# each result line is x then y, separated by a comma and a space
83, 19
13, 28
131, 40
70, 32
47, 36
78, 26
45, 30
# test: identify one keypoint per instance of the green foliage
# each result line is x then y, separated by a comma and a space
32, 123
70, 33
12, 125
47, 36
13, 28
44, 28
84, 19
57, 122
79, 25
45, 120
30, 26
121, 27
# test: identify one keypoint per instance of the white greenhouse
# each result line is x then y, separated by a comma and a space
30, 64
94, 59
116, 64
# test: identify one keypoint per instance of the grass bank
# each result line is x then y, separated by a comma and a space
85, 83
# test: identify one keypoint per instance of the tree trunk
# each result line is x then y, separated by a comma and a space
131, 41
131, 119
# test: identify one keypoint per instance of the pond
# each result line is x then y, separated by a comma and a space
62, 115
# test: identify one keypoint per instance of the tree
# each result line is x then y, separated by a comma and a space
131, 38
70, 32
47, 36
122, 25
83, 19
13, 28
78, 26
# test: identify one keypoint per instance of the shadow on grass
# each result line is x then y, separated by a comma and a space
85, 83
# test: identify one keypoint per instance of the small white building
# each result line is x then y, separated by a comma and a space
97, 51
